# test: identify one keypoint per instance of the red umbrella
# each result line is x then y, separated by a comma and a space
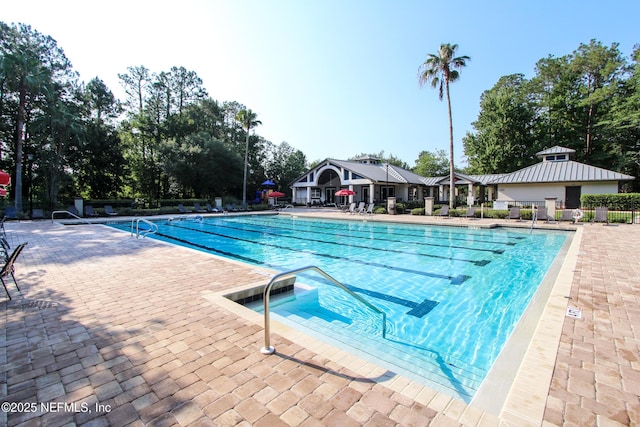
275, 195
345, 192
5, 178
3, 192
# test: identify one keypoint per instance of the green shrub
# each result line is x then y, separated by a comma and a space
417, 211
379, 210
615, 202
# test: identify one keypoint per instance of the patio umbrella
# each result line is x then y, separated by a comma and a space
5, 178
345, 192
268, 183
3, 192
275, 195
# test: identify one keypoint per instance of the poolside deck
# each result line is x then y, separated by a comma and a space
134, 332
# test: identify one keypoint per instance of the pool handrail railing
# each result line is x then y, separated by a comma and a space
268, 348
53, 214
153, 228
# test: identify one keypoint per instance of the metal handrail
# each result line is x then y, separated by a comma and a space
152, 227
69, 213
268, 349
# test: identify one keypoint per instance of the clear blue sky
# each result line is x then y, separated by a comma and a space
333, 78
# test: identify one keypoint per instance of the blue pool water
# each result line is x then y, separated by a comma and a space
452, 295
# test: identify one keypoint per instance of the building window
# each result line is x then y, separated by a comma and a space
346, 175
315, 193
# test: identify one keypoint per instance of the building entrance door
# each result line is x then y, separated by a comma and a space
572, 197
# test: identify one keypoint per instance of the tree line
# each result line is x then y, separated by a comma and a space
62, 138
588, 100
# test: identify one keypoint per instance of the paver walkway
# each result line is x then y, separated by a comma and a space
110, 330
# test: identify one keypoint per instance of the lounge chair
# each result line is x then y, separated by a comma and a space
352, 208
109, 210
231, 208
10, 212
471, 213
182, 209
542, 215
601, 215
444, 211
37, 214
212, 209
5, 248
73, 211
369, 210
88, 211
567, 215
9, 268
361, 208
197, 208
514, 213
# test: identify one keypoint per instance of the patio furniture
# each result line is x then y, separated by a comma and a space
88, 211
601, 215
109, 210
514, 213
471, 213
9, 268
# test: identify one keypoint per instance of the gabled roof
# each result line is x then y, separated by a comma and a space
378, 172
461, 178
566, 171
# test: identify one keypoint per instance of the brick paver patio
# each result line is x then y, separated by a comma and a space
110, 330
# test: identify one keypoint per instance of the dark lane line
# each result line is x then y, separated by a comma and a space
455, 280
400, 233
495, 251
479, 263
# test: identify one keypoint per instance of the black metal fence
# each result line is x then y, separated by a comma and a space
622, 213
628, 213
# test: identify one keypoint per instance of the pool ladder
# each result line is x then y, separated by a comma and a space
283, 277
151, 230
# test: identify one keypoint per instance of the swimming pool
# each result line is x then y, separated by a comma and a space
452, 295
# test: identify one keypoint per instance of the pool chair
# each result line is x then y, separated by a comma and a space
197, 208
231, 208
182, 209
352, 208
471, 213
567, 215
361, 208
542, 215
5, 248
10, 213
369, 210
212, 209
73, 211
514, 213
109, 210
37, 214
9, 268
88, 211
444, 212
601, 215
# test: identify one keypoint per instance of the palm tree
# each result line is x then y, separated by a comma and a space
248, 120
439, 70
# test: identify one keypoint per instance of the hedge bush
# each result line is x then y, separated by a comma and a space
615, 202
